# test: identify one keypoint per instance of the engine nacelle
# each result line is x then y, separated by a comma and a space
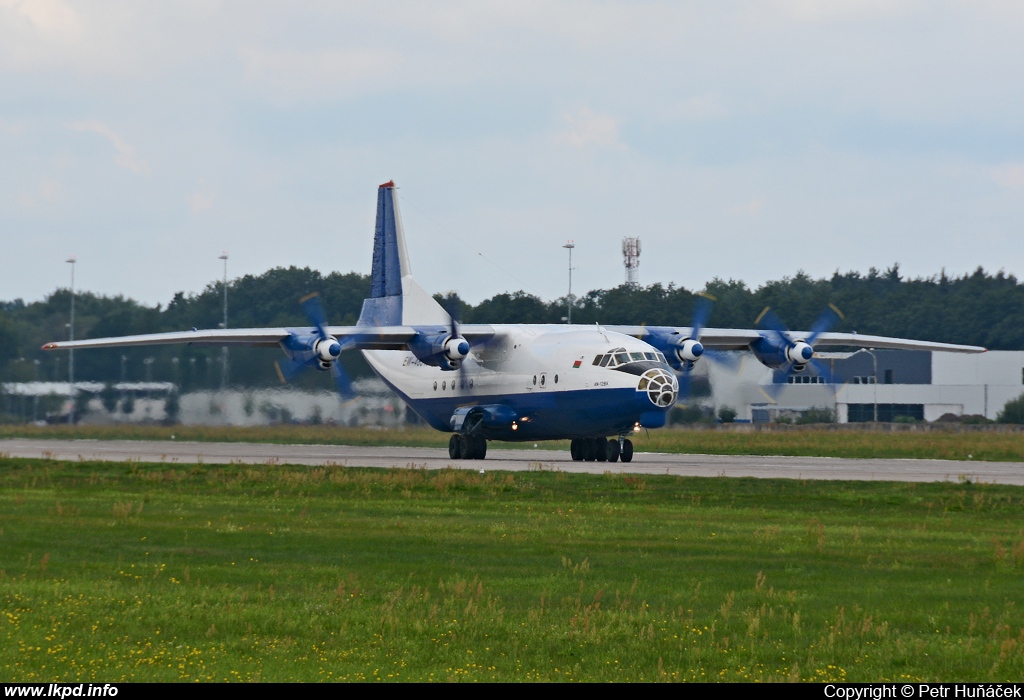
689, 351
800, 353
440, 350
456, 349
774, 354
327, 349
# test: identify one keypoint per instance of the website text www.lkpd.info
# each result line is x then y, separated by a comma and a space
61, 690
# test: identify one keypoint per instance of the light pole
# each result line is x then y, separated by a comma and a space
35, 393
224, 350
71, 336
570, 245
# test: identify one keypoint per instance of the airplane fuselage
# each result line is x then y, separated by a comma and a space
546, 380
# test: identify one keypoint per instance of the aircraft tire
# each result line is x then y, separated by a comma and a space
587, 450
455, 447
467, 447
574, 450
627, 451
479, 447
613, 450
601, 449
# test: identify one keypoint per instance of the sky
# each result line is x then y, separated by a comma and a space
737, 140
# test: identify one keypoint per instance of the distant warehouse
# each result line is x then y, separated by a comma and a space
869, 385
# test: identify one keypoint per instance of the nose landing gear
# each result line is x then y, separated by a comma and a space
601, 449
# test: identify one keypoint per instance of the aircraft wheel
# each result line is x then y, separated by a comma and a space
601, 449
613, 450
479, 447
587, 449
455, 447
574, 450
467, 447
627, 451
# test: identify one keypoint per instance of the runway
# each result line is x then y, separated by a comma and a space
762, 467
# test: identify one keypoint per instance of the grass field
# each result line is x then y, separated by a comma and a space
845, 441
144, 572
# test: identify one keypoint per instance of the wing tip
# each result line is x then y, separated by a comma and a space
49, 346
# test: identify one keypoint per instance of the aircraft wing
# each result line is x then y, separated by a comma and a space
740, 339
354, 337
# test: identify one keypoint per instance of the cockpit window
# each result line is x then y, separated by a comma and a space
662, 358
636, 356
597, 360
622, 358
651, 356
605, 359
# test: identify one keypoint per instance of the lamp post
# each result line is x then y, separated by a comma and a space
570, 245
35, 393
224, 350
874, 380
71, 336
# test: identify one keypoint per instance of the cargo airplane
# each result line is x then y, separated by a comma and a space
514, 382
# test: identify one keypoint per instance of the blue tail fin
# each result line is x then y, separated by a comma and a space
395, 298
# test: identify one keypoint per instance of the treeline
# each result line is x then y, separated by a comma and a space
979, 309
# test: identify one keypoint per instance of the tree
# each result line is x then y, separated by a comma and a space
817, 414
727, 414
1013, 412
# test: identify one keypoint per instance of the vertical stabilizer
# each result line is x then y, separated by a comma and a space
395, 297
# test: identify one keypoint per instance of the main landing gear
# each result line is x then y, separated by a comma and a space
601, 450
467, 447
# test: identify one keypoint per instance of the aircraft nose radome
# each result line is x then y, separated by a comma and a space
660, 386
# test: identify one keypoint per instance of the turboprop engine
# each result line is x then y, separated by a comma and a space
689, 351
327, 351
445, 349
777, 354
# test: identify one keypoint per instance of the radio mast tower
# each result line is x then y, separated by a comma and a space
631, 260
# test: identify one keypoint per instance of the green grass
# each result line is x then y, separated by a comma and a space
144, 572
839, 441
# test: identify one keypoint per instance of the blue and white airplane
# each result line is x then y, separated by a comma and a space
516, 382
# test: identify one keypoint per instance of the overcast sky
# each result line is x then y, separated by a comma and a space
743, 140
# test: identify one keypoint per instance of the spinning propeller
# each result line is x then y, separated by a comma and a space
321, 350
690, 350
779, 350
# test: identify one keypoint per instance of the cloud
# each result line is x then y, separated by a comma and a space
1010, 176
50, 17
300, 74
587, 128
753, 207
127, 156
46, 192
200, 201
698, 108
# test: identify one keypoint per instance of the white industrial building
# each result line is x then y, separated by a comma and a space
867, 384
